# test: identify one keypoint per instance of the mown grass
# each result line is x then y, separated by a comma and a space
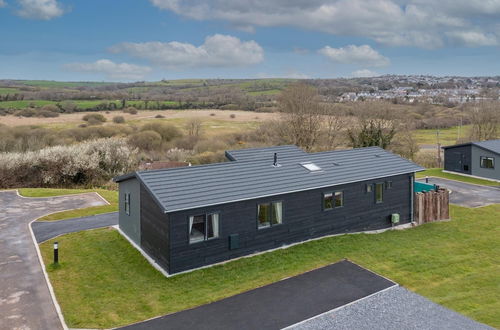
110, 195
104, 282
438, 172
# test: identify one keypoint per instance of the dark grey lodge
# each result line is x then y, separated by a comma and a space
474, 158
262, 199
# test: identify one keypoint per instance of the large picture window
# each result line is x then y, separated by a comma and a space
203, 227
333, 200
269, 214
487, 162
379, 192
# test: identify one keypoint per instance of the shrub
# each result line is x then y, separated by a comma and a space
207, 157
28, 112
88, 163
93, 118
159, 116
213, 145
51, 108
118, 119
130, 110
232, 116
167, 132
47, 114
145, 140
178, 155
212, 114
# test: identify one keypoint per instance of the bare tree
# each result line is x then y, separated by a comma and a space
485, 119
193, 127
334, 123
302, 114
404, 142
374, 125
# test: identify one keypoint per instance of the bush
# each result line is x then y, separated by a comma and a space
232, 116
145, 140
47, 114
207, 157
118, 120
159, 116
89, 163
28, 112
93, 118
130, 110
167, 132
212, 114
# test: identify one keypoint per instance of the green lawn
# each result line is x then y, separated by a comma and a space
110, 195
104, 282
438, 172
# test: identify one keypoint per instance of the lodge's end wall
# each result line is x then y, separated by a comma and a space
155, 232
477, 170
456, 158
303, 218
130, 224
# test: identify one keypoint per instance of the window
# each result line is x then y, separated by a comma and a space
388, 185
379, 192
333, 200
466, 168
269, 214
369, 188
203, 227
487, 162
126, 204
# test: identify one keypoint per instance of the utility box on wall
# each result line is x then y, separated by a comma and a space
234, 241
395, 218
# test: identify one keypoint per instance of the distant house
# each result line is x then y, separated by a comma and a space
261, 199
474, 158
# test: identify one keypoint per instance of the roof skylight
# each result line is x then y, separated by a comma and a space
311, 167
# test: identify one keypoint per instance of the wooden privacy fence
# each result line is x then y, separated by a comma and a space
432, 206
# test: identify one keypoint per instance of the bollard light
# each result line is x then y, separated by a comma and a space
426, 179
56, 253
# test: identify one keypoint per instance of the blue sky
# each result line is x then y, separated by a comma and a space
128, 40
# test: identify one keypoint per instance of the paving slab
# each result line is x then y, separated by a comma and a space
25, 300
280, 304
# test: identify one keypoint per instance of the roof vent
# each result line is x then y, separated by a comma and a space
275, 162
335, 164
377, 155
311, 167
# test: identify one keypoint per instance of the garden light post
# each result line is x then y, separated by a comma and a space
56, 253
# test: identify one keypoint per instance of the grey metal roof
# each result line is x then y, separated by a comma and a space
205, 185
491, 145
252, 154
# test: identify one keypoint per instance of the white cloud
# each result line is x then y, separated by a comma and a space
2, 3
40, 9
112, 70
473, 38
364, 73
361, 55
217, 51
421, 23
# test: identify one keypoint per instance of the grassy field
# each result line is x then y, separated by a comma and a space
109, 195
8, 90
447, 136
453, 263
438, 172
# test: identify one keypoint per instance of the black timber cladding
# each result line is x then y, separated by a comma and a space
458, 159
303, 219
155, 230
199, 186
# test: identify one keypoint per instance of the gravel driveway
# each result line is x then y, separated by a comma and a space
25, 300
469, 195
392, 309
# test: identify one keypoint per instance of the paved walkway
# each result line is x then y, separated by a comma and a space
45, 230
468, 195
279, 304
25, 301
